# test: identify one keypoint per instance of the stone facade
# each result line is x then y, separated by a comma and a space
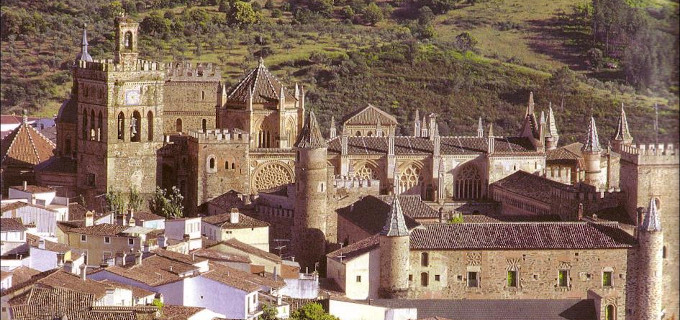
190, 96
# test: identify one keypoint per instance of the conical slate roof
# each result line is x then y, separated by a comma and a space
622, 132
25, 146
592, 143
651, 221
310, 137
83, 55
395, 226
265, 87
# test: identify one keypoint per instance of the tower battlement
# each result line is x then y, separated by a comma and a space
109, 65
355, 183
184, 71
218, 135
662, 153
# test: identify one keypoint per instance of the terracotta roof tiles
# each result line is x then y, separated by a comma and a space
244, 247
11, 224
370, 115
532, 186
244, 221
520, 235
265, 88
26, 146
405, 145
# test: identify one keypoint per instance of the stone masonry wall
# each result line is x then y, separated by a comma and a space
537, 274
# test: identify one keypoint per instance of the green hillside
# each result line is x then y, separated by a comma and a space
411, 59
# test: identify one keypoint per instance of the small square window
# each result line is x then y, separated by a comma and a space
107, 239
459, 277
473, 279
131, 241
607, 279
410, 277
358, 278
436, 277
83, 238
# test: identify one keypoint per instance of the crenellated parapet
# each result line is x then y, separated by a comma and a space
109, 65
355, 183
185, 71
220, 135
644, 154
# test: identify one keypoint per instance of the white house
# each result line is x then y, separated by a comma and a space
235, 225
183, 230
12, 235
192, 281
356, 268
41, 196
6, 280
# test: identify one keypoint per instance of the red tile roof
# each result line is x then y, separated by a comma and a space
173, 312
265, 88
216, 255
232, 277
356, 249
532, 186
405, 145
22, 274
137, 292
520, 235
34, 241
25, 147
104, 229
33, 189
154, 271
11, 224
369, 115
244, 221
246, 248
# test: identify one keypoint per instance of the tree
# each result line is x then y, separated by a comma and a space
595, 57
465, 42
115, 202
348, 12
425, 15
648, 61
373, 14
269, 4
167, 205
269, 312
564, 81
242, 14
323, 7
155, 24
134, 199
311, 311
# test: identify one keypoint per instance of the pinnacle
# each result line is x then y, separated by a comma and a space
651, 221
310, 136
622, 131
592, 143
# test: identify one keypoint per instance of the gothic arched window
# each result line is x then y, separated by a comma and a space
100, 126
178, 125
468, 183
366, 171
135, 127
84, 128
410, 177
128, 40
93, 126
204, 125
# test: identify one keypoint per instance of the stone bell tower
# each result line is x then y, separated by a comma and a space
394, 252
126, 52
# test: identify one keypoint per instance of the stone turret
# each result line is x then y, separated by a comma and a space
394, 253
591, 153
650, 265
126, 52
622, 136
333, 131
311, 174
551, 135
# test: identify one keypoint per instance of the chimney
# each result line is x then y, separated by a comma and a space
234, 215
25, 185
41, 244
60, 260
441, 214
83, 272
580, 211
89, 219
123, 262
276, 276
131, 222
68, 266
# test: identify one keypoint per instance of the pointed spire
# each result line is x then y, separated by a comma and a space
530, 106
551, 125
651, 222
83, 55
282, 99
261, 62
491, 129
592, 143
541, 120
24, 117
480, 128
250, 98
395, 225
297, 91
310, 136
416, 124
417, 115
622, 132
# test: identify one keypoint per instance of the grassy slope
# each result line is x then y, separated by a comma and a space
534, 44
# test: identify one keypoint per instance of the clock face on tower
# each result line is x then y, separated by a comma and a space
131, 97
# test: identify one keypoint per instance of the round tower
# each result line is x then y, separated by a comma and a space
311, 174
650, 265
591, 154
394, 253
